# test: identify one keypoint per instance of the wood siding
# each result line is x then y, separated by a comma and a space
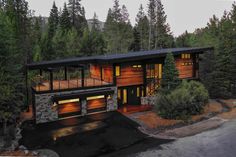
95, 72
130, 76
185, 67
68, 108
96, 104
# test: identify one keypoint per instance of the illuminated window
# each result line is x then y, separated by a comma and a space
96, 97
142, 93
117, 70
137, 66
185, 56
125, 96
160, 71
138, 91
119, 93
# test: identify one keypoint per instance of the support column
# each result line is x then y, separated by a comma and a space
82, 75
51, 80
65, 73
83, 107
144, 79
114, 74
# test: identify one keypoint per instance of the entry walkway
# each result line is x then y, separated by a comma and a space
128, 109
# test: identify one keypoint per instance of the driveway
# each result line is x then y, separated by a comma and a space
220, 142
105, 134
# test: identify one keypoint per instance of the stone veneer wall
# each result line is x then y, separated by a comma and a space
149, 100
45, 112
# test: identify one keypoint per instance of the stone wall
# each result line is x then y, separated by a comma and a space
46, 112
112, 104
149, 100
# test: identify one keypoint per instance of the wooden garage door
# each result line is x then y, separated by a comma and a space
95, 104
69, 109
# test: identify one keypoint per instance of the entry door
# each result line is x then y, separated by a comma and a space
133, 95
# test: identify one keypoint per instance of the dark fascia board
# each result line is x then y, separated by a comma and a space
83, 94
112, 58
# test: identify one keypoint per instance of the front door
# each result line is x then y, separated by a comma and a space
133, 95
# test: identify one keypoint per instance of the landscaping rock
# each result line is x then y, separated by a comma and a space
47, 153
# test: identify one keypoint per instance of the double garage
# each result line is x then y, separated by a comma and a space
83, 103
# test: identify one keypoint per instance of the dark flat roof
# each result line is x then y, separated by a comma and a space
116, 58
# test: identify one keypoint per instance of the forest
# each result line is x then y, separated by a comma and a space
24, 39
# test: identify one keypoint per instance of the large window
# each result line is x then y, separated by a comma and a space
154, 71
117, 70
185, 56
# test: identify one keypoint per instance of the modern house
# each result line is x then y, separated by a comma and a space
86, 85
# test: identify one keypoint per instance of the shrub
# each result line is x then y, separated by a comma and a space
189, 98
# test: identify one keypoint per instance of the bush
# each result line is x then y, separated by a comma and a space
189, 98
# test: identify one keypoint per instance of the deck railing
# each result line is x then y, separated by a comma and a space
58, 85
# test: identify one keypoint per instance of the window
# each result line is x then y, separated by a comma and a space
124, 96
137, 66
185, 56
138, 91
119, 93
117, 70
186, 63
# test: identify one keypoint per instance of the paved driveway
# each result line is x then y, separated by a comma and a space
106, 134
220, 142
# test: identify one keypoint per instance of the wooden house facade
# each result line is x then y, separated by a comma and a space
87, 85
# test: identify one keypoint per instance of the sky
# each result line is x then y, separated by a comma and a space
181, 14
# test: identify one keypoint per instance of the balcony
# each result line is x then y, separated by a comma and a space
69, 78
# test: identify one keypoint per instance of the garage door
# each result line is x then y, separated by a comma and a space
68, 108
96, 104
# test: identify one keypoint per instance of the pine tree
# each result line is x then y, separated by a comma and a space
152, 21
170, 78
65, 23
135, 46
163, 36
95, 23
142, 25
11, 76
116, 11
53, 21
77, 15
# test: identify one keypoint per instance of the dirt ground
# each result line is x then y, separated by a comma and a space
152, 120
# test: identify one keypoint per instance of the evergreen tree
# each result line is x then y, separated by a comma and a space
77, 15
152, 22
135, 46
170, 77
53, 21
163, 36
11, 78
142, 25
95, 23
65, 23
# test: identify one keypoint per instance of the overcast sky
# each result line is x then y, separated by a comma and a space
181, 14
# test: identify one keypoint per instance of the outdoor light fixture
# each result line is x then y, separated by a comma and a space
68, 101
96, 97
